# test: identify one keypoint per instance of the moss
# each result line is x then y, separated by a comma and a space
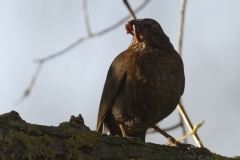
89, 157
1, 137
219, 157
73, 140
89, 139
26, 127
83, 141
80, 140
30, 147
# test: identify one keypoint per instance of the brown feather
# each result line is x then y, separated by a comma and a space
144, 83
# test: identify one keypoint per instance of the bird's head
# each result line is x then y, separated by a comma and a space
146, 30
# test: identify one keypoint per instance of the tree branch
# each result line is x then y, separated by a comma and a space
129, 9
165, 129
30, 85
85, 12
41, 61
189, 125
123, 20
180, 33
195, 128
179, 106
74, 140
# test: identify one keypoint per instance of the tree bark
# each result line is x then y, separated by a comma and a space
74, 140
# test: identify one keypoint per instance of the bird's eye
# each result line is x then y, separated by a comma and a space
155, 27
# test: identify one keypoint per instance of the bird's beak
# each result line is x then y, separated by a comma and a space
137, 29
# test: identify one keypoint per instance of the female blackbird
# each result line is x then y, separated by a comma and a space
143, 85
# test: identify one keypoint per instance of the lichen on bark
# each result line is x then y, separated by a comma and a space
74, 140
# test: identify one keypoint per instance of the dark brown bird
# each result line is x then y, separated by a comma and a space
143, 85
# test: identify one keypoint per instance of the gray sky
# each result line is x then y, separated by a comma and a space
73, 83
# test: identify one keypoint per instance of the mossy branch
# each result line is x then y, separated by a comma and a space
74, 140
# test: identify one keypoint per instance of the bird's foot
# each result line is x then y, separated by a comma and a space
174, 143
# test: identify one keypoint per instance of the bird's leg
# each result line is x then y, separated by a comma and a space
124, 134
105, 129
172, 141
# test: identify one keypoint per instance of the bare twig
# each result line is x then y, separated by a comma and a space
52, 56
129, 9
165, 129
179, 106
180, 33
73, 45
189, 125
85, 12
30, 85
123, 20
195, 128
183, 127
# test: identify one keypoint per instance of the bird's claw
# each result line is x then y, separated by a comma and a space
174, 143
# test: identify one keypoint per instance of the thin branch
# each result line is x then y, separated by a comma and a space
85, 12
73, 45
189, 125
195, 128
183, 127
165, 129
30, 85
123, 20
180, 33
179, 106
129, 9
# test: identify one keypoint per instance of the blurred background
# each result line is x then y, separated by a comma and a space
72, 84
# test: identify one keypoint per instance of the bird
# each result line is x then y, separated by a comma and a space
144, 84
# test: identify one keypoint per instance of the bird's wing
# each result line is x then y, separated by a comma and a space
115, 79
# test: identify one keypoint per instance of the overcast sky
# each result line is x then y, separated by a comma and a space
72, 84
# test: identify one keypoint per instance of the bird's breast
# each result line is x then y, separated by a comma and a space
151, 91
